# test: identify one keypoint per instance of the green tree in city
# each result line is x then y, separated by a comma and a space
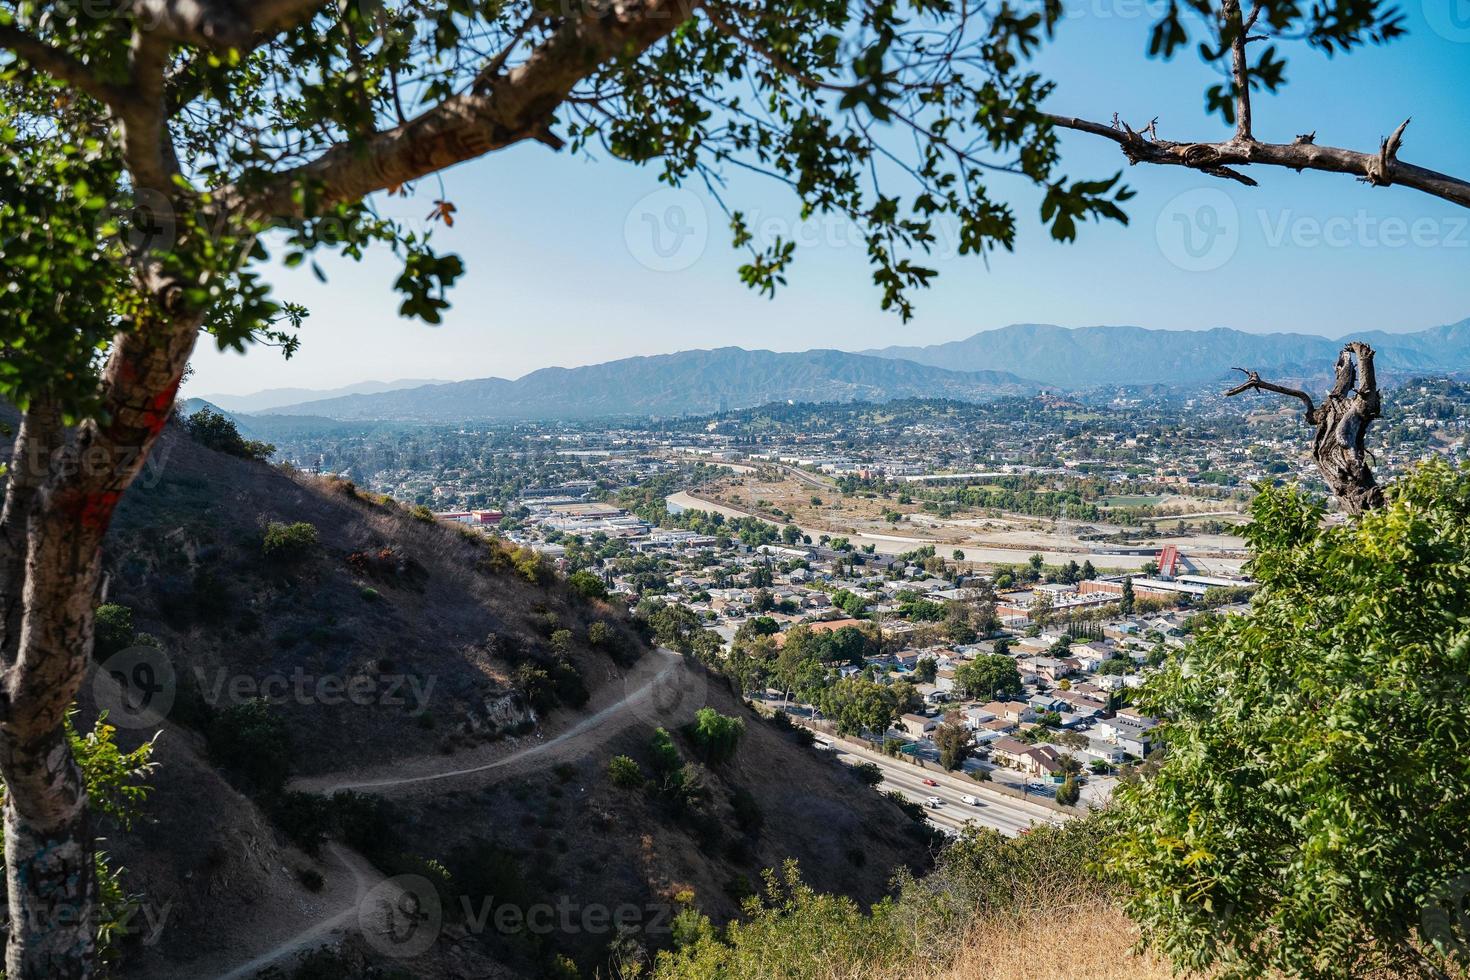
857, 705
1125, 604
988, 676
953, 739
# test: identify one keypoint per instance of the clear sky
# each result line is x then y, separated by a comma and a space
564, 269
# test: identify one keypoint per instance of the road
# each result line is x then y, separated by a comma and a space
897, 544
1002, 813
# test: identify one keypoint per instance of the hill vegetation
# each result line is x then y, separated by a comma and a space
329, 649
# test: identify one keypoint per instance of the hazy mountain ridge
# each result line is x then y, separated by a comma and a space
270, 398
1084, 356
689, 382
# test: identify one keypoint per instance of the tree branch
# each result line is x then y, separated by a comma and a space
1380, 169
221, 25
61, 66
1253, 382
512, 107
1236, 33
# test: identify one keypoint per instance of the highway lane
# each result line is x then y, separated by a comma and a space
1002, 813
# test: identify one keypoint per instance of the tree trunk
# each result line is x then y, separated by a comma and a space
49, 864
49, 850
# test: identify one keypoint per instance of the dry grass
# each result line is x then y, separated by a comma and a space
1089, 943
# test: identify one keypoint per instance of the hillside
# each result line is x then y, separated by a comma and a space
690, 382
1133, 355
426, 663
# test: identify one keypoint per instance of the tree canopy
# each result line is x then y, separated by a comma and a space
1311, 812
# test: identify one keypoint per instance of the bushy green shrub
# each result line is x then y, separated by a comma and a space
112, 630
219, 432
1310, 816
587, 584
288, 541
250, 739
715, 736
624, 772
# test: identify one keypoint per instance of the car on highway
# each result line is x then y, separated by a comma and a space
971, 800
934, 803
929, 782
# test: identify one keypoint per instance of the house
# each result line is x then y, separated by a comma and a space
1012, 711
1009, 752
1042, 760
917, 726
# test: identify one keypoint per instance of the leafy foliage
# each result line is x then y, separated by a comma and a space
715, 736
219, 432
1311, 810
988, 676
286, 542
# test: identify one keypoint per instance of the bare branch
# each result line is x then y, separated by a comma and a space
1217, 159
1339, 446
1253, 382
1237, 31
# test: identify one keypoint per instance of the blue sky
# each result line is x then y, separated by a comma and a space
563, 269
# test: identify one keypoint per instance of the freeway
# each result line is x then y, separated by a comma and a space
1002, 813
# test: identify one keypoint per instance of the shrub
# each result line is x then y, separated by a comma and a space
311, 879
1309, 818
219, 432
251, 739
748, 815
587, 584
112, 630
306, 818
868, 773
624, 772
599, 634
561, 642
1068, 792
421, 513
715, 736
288, 541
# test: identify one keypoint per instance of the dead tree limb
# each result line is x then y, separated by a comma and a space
1342, 422
1380, 169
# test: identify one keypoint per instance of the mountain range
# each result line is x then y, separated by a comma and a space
1087, 356
687, 383
261, 401
1018, 359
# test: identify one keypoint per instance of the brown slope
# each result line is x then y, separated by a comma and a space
450, 615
